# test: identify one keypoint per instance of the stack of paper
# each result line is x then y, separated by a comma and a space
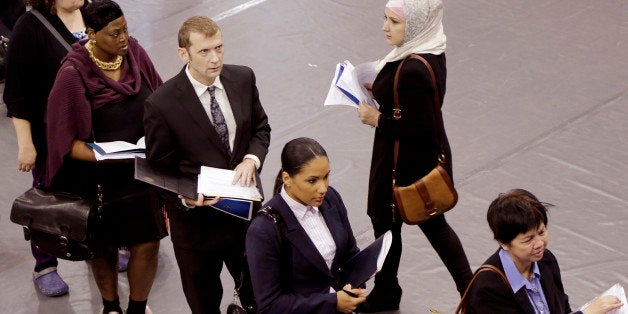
218, 182
347, 85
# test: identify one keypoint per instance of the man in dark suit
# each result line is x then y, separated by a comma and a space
207, 115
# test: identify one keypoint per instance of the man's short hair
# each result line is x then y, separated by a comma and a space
197, 24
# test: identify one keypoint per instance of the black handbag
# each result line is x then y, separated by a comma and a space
61, 224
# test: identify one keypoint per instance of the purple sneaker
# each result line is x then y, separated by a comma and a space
50, 283
123, 259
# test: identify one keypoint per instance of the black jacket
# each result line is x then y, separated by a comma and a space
489, 294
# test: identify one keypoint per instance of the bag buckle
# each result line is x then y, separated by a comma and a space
27, 233
63, 241
396, 113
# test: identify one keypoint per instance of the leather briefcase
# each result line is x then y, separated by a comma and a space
61, 224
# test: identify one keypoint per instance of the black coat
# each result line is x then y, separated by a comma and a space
180, 136
416, 130
489, 294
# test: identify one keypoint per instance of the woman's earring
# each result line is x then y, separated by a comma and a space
93, 41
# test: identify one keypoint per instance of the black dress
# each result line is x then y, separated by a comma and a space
132, 212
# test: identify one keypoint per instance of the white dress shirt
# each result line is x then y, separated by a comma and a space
225, 107
314, 224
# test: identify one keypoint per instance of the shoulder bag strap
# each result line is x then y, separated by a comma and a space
51, 28
462, 306
438, 115
285, 262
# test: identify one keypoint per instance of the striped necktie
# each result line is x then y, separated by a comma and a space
218, 118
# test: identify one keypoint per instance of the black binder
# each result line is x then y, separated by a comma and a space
365, 264
186, 186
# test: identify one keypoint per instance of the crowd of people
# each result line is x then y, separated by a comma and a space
95, 82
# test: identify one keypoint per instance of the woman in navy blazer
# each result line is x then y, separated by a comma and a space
295, 261
518, 221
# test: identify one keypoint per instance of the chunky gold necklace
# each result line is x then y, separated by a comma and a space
107, 66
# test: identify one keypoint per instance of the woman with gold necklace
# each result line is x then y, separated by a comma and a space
98, 96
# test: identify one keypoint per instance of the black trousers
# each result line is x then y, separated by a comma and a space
442, 238
200, 276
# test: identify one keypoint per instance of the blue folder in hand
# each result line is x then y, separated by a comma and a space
236, 207
365, 264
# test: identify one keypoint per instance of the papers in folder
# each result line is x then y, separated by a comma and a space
118, 149
366, 263
347, 85
218, 182
188, 187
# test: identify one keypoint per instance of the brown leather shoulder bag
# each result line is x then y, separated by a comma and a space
434, 193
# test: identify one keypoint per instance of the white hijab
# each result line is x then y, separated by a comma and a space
424, 29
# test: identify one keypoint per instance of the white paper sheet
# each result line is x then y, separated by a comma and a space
347, 85
217, 182
618, 291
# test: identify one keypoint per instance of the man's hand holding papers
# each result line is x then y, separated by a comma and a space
219, 182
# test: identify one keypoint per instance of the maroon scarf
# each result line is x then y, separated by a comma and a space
80, 87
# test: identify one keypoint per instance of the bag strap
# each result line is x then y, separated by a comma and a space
285, 257
438, 114
51, 28
462, 306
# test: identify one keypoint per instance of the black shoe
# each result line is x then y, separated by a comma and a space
382, 298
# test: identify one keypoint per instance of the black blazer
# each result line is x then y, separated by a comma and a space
180, 136
302, 287
489, 294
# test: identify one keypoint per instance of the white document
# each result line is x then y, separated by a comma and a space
618, 291
118, 149
347, 85
384, 251
112, 156
217, 182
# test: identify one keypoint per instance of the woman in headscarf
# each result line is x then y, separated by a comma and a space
98, 96
411, 27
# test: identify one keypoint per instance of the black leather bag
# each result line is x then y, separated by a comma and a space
61, 224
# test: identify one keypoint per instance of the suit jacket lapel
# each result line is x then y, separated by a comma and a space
299, 238
522, 298
194, 108
549, 288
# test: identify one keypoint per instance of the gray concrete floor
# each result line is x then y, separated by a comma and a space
536, 98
